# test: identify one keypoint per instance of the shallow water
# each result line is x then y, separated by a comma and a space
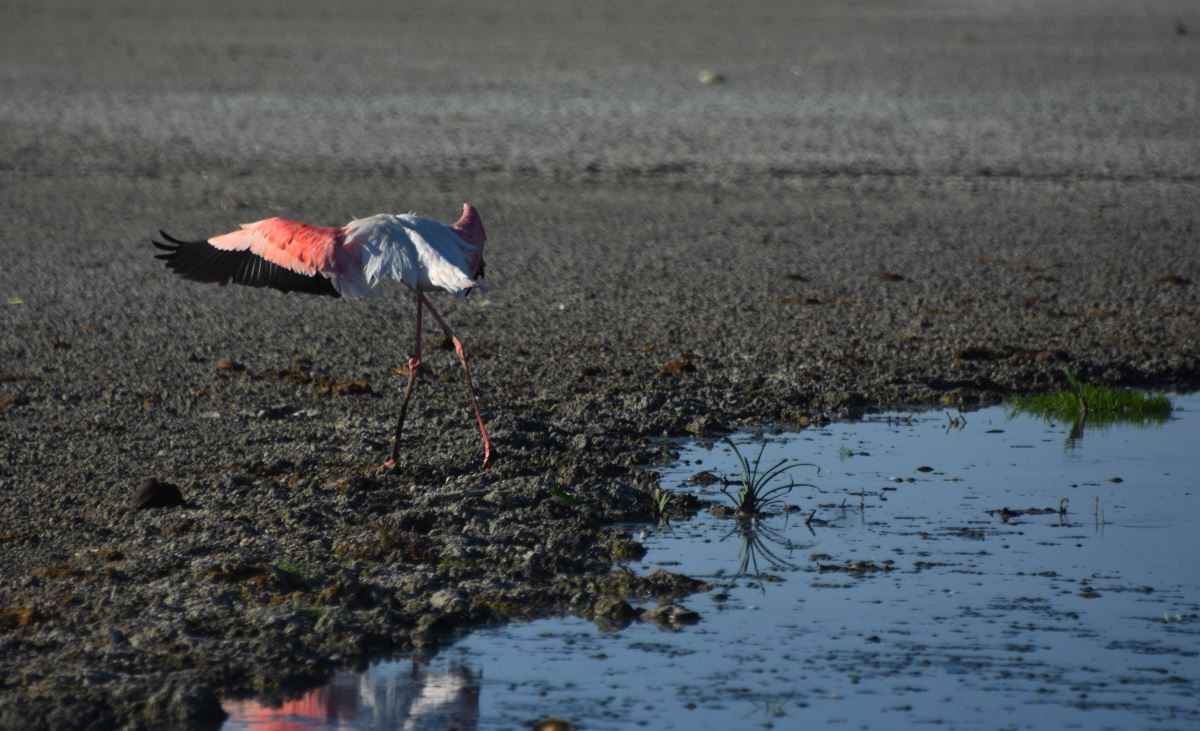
903, 603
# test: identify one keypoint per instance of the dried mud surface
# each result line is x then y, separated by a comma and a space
878, 206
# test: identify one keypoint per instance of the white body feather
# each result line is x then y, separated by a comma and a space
424, 254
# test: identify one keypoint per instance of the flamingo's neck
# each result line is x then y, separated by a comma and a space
469, 227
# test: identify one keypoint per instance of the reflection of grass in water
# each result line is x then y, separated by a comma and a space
769, 707
1096, 404
753, 543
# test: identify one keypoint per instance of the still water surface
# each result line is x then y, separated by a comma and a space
904, 602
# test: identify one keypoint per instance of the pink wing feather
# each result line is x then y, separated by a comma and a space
286, 255
301, 247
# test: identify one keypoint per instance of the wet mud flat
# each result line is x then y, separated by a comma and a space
669, 258
290, 557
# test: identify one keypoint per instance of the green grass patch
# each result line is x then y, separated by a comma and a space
660, 504
1096, 404
755, 492
561, 496
458, 565
302, 568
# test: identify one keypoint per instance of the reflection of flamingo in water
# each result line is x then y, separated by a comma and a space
383, 696
334, 704
446, 699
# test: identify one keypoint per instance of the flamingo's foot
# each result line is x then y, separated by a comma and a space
388, 466
487, 458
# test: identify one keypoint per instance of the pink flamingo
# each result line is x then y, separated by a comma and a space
299, 257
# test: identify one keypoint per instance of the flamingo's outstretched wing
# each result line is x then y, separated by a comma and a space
286, 255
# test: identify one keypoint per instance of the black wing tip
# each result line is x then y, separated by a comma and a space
174, 240
173, 244
200, 261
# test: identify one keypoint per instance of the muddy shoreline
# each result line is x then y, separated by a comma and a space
292, 558
668, 259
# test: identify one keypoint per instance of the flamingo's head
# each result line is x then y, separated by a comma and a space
469, 228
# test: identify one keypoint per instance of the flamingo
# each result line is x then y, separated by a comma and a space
350, 261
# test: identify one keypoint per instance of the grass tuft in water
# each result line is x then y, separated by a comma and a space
1098, 404
755, 493
660, 504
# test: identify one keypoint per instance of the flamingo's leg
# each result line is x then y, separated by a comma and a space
414, 364
462, 358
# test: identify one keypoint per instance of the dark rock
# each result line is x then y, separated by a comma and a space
669, 584
626, 550
153, 493
670, 615
613, 611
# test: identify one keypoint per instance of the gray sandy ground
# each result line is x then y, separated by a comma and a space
667, 257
